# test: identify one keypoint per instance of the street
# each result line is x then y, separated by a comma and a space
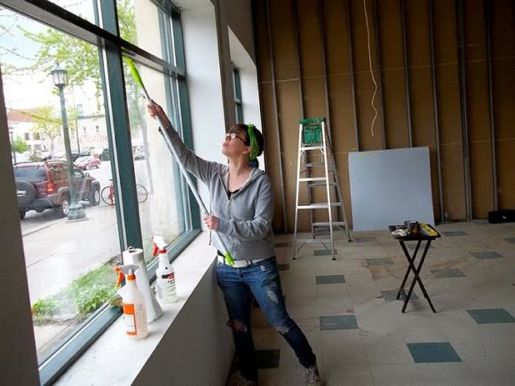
58, 251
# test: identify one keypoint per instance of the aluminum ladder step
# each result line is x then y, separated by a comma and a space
312, 241
309, 179
315, 184
326, 224
304, 148
319, 206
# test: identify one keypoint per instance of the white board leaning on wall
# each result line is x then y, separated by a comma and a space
389, 187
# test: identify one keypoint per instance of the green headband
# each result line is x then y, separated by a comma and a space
253, 143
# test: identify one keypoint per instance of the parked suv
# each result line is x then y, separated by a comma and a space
43, 185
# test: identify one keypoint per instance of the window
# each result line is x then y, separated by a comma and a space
238, 105
68, 279
71, 279
27, 136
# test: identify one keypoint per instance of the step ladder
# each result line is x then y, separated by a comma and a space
314, 141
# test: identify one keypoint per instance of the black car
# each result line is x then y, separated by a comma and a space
43, 185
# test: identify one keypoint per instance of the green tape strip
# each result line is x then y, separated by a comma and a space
228, 258
254, 149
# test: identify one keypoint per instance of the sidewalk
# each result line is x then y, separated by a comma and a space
62, 251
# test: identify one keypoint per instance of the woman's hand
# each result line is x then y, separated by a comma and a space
211, 222
156, 111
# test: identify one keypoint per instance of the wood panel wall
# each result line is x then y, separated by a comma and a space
445, 72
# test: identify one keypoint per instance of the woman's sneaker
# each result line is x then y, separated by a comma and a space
312, 377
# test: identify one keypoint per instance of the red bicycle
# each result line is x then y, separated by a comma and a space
109, 197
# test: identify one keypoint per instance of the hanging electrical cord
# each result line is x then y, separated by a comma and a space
371, 70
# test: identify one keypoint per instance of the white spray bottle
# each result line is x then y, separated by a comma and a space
135, 256
165, 281
134, 312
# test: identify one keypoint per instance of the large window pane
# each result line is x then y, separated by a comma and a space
69, 263
140, 24
81, 8
162, 211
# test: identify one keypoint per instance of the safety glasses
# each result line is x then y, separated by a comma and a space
231, 136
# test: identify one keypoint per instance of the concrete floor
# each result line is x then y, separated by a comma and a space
347, 308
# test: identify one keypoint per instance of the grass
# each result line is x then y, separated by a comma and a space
79, 299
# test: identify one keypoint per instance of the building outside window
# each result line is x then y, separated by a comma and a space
73, 230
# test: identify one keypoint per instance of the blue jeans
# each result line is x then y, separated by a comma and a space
261, 280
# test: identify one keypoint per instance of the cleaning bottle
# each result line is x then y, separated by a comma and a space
165, 282
134, 313
135, 256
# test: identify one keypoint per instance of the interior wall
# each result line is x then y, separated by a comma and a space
204, 86
197, 349
444, 72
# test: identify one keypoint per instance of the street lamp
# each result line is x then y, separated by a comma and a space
11, 135
76, 211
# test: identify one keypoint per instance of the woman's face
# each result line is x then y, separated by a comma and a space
235, 144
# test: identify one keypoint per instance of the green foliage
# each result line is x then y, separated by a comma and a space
93, 289
80, 298
77, 56
48, 124
18, 145
127, 24
44, 308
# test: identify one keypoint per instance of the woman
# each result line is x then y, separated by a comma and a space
242, 209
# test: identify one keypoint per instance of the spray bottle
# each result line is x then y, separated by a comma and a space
134, 313
165, 282
135, 256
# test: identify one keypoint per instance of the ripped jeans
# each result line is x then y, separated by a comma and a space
263, 281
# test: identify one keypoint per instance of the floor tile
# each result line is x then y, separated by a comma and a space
379, 261
338, 322
487, 255
446, 374
323, 252
330, 279
396, 374
391, 295
433, 352
449, 272
268, 359
454, 233
412, 246
492, 315
385, 350
349, 376
365, 239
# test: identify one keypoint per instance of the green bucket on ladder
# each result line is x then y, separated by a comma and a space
312, 130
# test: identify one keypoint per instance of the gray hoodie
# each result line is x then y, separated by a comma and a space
245, 219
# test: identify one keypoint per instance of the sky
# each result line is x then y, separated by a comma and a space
35, 89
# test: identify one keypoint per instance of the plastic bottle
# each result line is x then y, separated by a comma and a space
134, 310
135, 256
165, 281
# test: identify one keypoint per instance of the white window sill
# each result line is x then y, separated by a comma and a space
116, 360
